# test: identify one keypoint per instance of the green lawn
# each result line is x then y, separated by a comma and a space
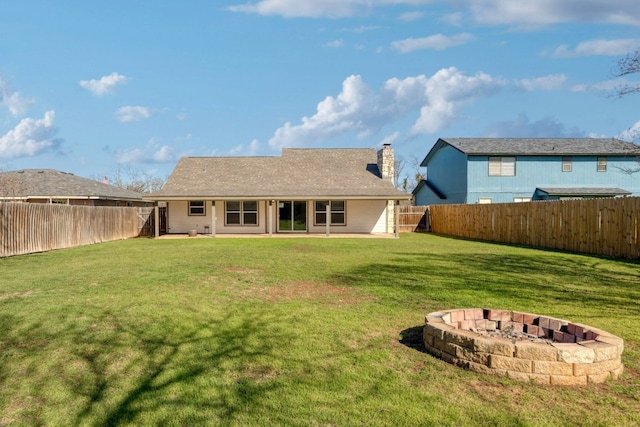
303, 332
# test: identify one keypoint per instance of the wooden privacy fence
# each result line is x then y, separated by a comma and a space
32, 227
412, 218
596, 226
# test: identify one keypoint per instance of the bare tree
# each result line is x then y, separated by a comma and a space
409, 180
627, 66
131, 178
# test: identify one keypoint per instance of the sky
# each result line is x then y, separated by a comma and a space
88, 87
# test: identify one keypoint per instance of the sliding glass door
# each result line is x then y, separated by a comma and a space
292, 215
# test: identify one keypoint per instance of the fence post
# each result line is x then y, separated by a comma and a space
156, 220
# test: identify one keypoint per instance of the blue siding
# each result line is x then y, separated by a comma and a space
546, 171
447, 170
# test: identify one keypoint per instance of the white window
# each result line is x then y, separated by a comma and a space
243, 212
485, 200
338, 215
521, 199
602, 164
567, 164
502, 166
196, 207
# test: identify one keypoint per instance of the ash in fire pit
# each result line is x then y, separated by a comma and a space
523, 346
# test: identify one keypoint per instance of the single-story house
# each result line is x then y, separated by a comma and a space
302, 191
501, 170
53, 186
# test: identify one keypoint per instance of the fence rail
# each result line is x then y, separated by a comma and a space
607, 227
32, 227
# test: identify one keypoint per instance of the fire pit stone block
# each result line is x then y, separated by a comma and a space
523, 346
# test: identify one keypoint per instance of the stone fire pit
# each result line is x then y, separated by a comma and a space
523, 346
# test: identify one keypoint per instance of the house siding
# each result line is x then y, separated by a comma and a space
546, 171
447, 170
362, 216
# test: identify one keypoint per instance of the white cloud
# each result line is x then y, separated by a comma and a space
306, 8
132, 113
13, 101
389, 139
30, 137
165, 154
361, 29
601, 47
550, 82
249, 150
106, 84
631, 134
522, 127
411, 16
153, 152
494, 12
299, 8
335, 44
435, 42
447, 91
454, 19
360, 109
548, 12
604, 86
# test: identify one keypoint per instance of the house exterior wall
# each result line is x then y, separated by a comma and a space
447, 170
180, 222
546, 171
362, 216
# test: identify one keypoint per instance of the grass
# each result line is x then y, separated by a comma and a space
300, 332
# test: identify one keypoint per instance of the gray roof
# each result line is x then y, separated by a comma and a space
297, 174
50, 183
584, 191
537, 147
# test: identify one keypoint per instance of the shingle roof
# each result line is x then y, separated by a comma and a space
584, 191
538, 146
45, 183
298, 173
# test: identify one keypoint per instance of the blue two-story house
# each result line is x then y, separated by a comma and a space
501, 170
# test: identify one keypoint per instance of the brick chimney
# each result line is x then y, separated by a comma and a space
386, 163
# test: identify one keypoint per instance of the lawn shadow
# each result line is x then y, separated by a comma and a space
538, 279
180, 373
412, 338
184, 367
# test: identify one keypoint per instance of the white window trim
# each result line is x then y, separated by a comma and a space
343, 212
502, 166
567, 164
203, 207
241, 213
601, 164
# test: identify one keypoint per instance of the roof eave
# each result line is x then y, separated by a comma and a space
406, 196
